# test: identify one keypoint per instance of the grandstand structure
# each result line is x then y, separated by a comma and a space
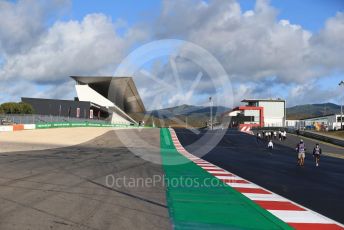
118, 95
104, 98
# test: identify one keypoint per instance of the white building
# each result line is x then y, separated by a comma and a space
330, 122
260, 112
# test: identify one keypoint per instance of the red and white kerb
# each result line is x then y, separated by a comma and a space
295, 215
246, 129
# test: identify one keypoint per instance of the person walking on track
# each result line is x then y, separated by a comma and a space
316, 153
284, 135
258, 137
301, 150
270, 145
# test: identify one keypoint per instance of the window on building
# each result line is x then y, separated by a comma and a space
253, 103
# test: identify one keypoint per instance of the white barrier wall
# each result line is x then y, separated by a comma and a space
7, 128
29, 126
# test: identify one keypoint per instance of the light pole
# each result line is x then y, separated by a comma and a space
341, 108
211, 113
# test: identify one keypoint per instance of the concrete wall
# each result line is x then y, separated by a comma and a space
86, 93
274, 122
291, 123
274, 112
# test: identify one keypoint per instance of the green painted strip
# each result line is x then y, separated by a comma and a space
201, 205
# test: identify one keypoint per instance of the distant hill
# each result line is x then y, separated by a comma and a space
199, 115
312, 110
180, 116
187, 110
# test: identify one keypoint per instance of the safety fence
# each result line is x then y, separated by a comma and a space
9, 119
48, 125
78, 124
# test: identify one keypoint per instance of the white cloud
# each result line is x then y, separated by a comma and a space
61, 91
33, 52
10, 91
313, 93
328, 45
91, 46
253, 46
23, 21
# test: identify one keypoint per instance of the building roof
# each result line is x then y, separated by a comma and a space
95, 79
256, 100
318, 117
120, 90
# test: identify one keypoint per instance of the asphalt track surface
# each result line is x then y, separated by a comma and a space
66, 188
318, 188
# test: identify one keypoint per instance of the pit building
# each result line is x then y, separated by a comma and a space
258, 113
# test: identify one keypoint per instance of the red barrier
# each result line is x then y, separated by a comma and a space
18, 127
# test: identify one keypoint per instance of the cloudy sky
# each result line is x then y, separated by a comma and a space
268, 49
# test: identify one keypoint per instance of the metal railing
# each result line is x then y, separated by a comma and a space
33, 119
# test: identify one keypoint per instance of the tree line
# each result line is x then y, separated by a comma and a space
16, 108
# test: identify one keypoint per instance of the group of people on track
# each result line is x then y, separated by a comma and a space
272, 135
301, 150
300, 147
